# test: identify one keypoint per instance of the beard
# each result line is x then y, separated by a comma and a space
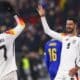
69, 30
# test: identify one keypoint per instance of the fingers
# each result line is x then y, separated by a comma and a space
40, 6
41, 10
72, 72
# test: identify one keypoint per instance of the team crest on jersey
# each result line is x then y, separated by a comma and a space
67, 39
74, 41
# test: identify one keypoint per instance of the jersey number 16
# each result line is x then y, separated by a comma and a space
52, 54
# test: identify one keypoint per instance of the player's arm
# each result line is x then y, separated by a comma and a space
46, 28
20, 24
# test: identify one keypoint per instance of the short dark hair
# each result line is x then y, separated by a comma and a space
73, 19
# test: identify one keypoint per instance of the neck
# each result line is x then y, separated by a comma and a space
73, 34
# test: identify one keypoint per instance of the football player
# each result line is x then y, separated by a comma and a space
52, 57
70, 54
7, 48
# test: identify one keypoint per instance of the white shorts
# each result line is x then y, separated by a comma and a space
10, 76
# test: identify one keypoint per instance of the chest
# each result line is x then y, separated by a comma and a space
70, 43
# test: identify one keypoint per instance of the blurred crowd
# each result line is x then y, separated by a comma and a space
30, 44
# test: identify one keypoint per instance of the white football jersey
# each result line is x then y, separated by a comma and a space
7, 49
70, 55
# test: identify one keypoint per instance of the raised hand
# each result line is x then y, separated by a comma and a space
41, 10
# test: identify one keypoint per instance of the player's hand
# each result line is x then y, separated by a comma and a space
73, 71
41, 10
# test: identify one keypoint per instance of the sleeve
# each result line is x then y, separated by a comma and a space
46, 58
50, 32
15, 32
78, 55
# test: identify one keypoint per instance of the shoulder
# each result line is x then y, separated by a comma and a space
63, 34
78, 38
52, 42
10, 32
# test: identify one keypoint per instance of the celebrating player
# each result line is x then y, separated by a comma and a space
7, 52
70, 55
52, 56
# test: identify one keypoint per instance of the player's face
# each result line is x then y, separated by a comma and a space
70, 26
